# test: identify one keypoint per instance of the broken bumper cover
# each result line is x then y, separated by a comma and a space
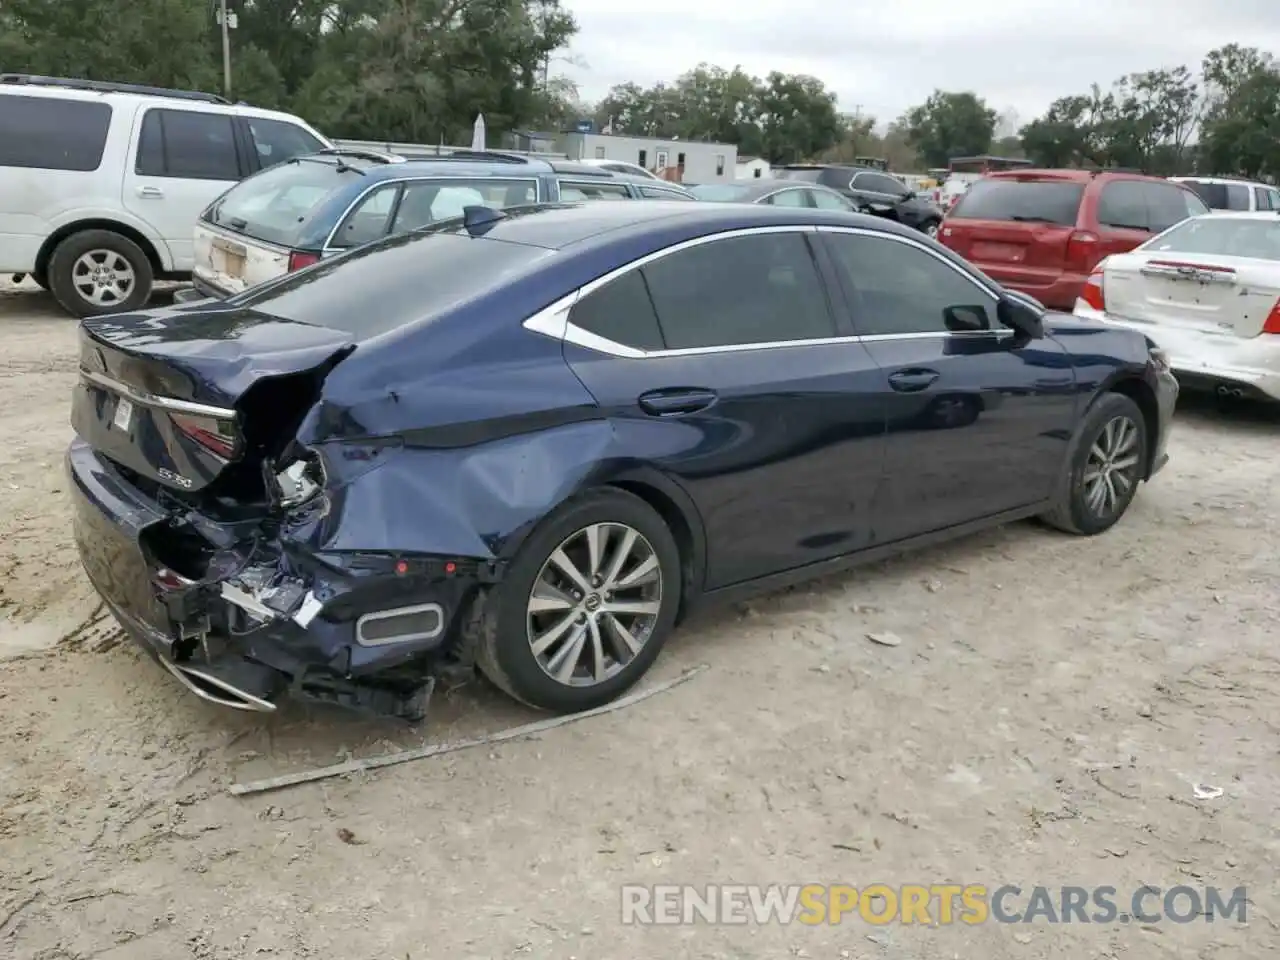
261, 618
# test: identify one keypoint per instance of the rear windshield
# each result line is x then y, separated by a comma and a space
808, 175
721, 192
276, 204
1221, 196
1224, 236
1031, 201
410, 277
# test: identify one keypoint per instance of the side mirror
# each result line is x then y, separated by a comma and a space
966, 319
1020, 316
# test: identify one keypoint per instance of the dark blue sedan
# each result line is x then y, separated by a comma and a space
534, 440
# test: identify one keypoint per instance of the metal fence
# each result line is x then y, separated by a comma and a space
419, 151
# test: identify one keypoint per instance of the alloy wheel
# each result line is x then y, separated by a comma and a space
594, 604
1111, 470
103, 277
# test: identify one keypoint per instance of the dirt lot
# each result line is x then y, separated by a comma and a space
1044, 720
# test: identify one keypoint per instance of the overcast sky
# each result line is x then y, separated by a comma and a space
884, 57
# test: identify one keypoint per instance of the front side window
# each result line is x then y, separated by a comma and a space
368, 220
1262, 199
187, 145
276, 141
898, 288
578, 190
738, 291
46, 133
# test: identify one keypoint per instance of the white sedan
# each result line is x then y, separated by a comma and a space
1207, 291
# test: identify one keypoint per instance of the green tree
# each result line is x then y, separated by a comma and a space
1241, 128
950, 125
798, 117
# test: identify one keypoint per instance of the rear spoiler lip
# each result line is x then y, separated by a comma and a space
143, 399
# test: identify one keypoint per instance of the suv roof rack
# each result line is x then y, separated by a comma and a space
361, 153
1120, 170
495, 155
580, 169
106, 86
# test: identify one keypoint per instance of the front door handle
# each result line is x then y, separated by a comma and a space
150, 193
674, 403
913, 379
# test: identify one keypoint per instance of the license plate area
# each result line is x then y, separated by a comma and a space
122, 420
229, 257
998, 252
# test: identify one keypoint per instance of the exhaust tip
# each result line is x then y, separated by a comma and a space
214, 689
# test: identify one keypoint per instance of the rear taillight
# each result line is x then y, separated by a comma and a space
1082, 251
1093, 292
216, 436
299, 260
1273, 320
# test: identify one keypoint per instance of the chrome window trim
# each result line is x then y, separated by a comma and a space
144, 399
328, 247
553, 320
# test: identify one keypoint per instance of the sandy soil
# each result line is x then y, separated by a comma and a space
1051, 705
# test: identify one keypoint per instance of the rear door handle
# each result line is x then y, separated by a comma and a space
151, 193
673, 403
912, 380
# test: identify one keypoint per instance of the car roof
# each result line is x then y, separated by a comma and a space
1272, 215
400, 168
1223, 180
556, 226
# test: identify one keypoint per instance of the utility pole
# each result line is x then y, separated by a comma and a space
226, 48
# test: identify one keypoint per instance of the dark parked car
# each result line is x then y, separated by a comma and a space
535, 440
872, 191
777, 193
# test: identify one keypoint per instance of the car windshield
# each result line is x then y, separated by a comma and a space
1221, 196
1032, 201
414, 277
807, 174
722, 192
1221, 236
277, 204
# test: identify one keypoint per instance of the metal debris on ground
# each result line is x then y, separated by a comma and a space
435, 750
1205, 791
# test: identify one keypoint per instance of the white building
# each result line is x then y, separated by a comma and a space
753, 168
686, 161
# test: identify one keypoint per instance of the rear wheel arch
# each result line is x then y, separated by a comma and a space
80, 226
685, 526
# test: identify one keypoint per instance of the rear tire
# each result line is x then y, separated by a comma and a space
512, 626
930, 229
1106, 461
97, 272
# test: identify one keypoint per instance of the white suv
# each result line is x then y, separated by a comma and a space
1227, 193
102, 183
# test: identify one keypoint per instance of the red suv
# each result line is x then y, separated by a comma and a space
1042, 232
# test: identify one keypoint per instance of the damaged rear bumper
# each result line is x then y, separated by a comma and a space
243, 616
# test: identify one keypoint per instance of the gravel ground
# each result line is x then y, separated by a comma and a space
1044, 720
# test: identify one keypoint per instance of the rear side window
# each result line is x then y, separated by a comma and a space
1029, 201
789, 198
187, 145
1123, 205
428, 201
1221, 196
45, 133
277, 205
276, 141
621, 311
740, 291
654, 193
578, 190
369, 220
808, 175
411, 277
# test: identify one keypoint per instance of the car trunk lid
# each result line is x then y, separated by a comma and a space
188, 398
1201, 293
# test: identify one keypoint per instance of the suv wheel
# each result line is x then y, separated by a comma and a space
930, 229
585, 607
97, 272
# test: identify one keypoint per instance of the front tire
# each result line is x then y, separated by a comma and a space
1106, 462
97, 272
585, 607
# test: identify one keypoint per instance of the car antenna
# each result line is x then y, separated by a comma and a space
477, 218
